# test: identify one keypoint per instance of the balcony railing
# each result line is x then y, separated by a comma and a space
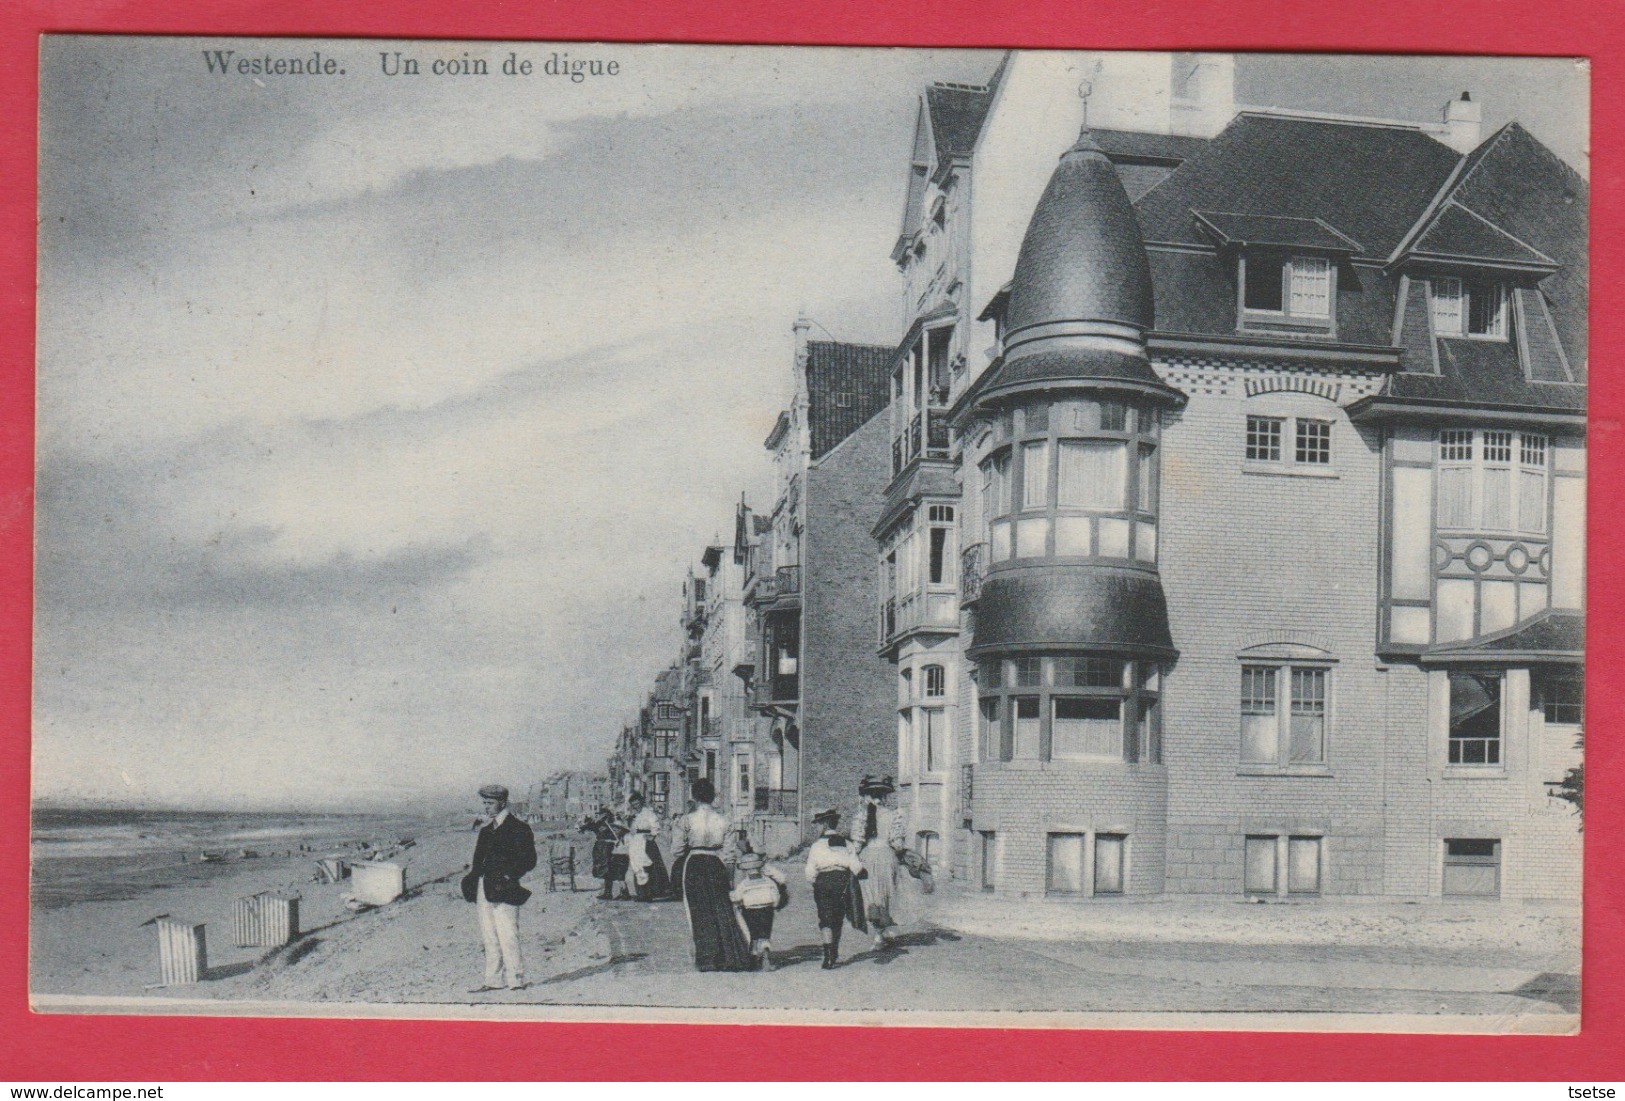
781, 583
972, 568
929, 429
784, 690
784, 802
787, 580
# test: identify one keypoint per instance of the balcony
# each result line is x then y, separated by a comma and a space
779, 691
781, 802
972, 569
926, 434
778, 591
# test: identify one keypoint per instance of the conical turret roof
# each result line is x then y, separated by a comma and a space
1081, 299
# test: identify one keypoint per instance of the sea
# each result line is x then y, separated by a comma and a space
82, 854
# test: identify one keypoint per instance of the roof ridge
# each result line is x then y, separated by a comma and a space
1292, 114
1465, 167
1459, 205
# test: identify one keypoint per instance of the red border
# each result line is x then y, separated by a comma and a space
158, 1049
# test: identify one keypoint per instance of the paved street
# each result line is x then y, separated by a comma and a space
935, 968
962, 956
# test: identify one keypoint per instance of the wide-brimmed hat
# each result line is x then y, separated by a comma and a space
750, 862
829, 817
871, 786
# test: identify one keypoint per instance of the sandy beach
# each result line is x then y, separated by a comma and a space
87, 936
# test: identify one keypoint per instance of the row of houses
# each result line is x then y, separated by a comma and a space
567, 797
1215, 526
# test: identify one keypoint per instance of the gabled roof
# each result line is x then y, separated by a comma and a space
847, 384
957, 112
1274, 231
1372, 181
1552, 635
1456, 233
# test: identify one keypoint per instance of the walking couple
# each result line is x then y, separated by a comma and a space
855, 879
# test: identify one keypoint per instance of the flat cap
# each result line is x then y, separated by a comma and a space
494, 791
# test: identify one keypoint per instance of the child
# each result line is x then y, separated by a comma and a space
834, 870
760, 892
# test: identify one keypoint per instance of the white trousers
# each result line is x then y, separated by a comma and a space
499, 928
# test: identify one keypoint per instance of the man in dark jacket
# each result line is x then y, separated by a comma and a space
504, 852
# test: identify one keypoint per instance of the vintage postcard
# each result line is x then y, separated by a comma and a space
636, 532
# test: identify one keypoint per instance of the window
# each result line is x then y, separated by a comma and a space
1258, 873
1314, 442
1281, 865
1092, 474
1034, 475
936, 682
1065, 864
990, 851
1084, 727
1109, 849
1475, 718
995, 745
1298, 287
1264, 439
933, 739
1473, 309
1027, 728
1492, 480
659, 790
665, 744
1311, 441
925, 843
942, 556
1289, 731
1560, 695
1472, 867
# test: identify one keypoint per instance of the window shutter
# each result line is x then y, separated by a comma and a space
1311, 287
1446, 295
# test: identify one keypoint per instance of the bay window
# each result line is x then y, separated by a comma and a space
1070, 707
1075, 478
1493, 480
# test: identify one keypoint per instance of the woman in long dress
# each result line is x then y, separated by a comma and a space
880, 832
833, 869
719, 942
647, 871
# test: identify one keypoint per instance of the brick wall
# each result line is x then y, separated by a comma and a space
848, 693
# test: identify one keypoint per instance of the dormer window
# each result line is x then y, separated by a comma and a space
1287, 288
1467, 308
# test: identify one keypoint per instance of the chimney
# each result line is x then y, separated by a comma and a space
1202, 93
801, 328
1463, 124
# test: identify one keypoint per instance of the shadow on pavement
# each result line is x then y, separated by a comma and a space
1559, 989
801, 953
596, 969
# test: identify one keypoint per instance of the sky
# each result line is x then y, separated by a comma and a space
381, 417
